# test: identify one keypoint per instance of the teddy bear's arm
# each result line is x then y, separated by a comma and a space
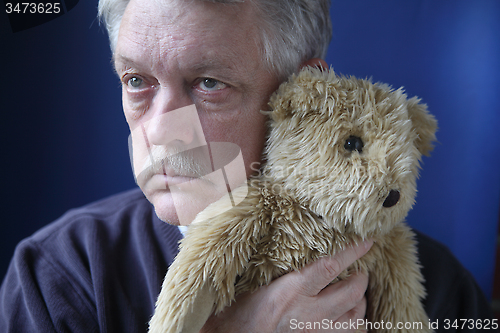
215, 251
396, 281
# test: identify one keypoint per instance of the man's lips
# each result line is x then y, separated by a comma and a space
172, 180
163, 181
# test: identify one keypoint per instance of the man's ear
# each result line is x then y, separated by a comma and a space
314, 62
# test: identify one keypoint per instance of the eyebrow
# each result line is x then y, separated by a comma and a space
223, 64
210, 65
122, 59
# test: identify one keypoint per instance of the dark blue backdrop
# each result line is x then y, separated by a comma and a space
64, 138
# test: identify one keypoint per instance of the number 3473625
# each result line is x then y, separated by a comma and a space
33, 8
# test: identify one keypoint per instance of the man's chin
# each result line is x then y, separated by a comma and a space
164, 206
180, 208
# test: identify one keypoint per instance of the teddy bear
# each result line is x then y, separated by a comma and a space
341, 163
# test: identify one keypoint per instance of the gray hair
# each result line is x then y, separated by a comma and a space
292, 31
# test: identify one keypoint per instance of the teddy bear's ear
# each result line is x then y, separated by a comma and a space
424, 124
302, 92
281, 102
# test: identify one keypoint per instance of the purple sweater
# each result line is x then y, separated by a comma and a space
99, 268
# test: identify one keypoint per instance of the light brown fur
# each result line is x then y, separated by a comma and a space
313, 198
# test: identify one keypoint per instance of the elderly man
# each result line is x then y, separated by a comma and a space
100, 268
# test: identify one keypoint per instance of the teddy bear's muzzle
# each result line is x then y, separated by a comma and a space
391, 199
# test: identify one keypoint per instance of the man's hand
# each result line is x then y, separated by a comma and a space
298, 298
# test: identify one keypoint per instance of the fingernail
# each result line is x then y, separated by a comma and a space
367, 243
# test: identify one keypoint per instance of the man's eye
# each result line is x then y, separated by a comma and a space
208, 84
135, 82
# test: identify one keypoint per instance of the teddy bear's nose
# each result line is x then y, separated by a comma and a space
391, 199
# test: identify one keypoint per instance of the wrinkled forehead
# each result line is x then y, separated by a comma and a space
153, 29
189, 15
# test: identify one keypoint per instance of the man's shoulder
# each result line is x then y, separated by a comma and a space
428, 246
452, 291
437, 259
99, 233
87, 263
125, 222
115, 204
111, 212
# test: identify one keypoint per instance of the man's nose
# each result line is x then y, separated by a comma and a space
175, 121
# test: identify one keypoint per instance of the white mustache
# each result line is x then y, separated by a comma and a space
194, 163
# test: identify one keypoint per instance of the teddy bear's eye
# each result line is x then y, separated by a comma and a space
354, 143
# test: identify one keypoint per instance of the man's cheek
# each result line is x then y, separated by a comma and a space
138, 151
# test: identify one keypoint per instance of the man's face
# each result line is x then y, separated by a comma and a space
204, 58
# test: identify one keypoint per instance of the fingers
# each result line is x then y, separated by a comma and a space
348, 295
355, 315
341, 305
316, 276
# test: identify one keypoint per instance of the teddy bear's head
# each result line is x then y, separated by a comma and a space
348, 149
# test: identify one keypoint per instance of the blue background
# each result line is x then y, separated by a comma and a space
64, 138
